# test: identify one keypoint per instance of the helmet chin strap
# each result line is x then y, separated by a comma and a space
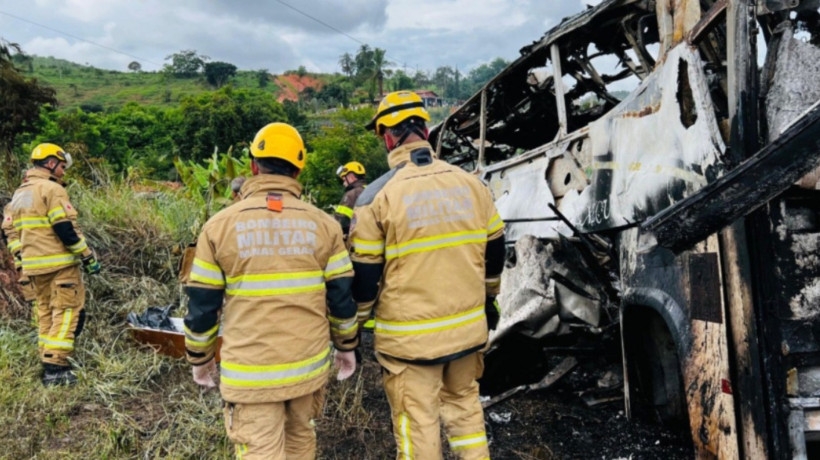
388, 143
53, 168
422, 133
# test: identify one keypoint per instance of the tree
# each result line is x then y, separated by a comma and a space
222, 119
363, 63
348, 64
379, 69
371, 69
134, 136
421, 79
456, 85
480, 75
134, 66
218, 73
23, 61
185, 64
401, 81
443, 78
341, 138
262, 77
334, 93
295, 116
20, 103
308, 94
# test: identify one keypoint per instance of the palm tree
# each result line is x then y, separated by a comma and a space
363, 62
379, 70
347, 64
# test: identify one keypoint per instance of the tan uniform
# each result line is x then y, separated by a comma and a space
285, 275
14, 246
422, 232
51, 248
344, 211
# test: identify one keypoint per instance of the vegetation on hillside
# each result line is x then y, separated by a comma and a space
21, 99
140, 123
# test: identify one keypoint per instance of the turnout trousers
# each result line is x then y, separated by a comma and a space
30, 297
60, 298
275, 430
420, 395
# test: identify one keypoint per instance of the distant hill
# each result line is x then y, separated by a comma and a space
96, 89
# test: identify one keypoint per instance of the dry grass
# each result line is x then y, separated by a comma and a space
129, 402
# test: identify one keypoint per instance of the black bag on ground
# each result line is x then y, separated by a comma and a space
153, 318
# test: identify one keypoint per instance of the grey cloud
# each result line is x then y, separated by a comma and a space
345, 15
265, 34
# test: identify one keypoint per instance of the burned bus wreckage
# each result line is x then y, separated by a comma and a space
656, 165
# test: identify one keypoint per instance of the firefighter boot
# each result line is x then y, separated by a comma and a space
58, 375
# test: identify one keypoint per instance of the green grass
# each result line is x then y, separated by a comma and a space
78, 85
128, 403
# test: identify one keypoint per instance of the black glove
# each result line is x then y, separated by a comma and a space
90, 264
491, 310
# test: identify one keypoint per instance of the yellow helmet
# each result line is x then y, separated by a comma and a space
395, 108
352, 167
43, 151
280, 140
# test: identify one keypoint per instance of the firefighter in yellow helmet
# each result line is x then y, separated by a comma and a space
285, 276
428, 251
352, 175
52, 249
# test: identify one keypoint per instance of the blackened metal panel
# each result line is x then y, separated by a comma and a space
704, 287
658, 146
751, 185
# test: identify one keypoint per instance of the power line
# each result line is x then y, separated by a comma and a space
321, 22
307, 15
79, 38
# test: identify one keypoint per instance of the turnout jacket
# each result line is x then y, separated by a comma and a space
284, 273
10, 236
421, 236
45, 223
344, 212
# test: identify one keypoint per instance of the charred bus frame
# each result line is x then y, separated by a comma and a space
690, 177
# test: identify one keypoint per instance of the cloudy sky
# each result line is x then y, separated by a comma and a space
280, 34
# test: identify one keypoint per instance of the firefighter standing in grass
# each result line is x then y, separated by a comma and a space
352, 175
285, 275
430, 234
52, 248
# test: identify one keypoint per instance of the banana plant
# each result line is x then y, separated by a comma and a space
209, 184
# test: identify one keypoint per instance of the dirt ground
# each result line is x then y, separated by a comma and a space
554, 423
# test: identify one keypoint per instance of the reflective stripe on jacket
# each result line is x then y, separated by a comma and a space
344, 211
285, 276
38, 205
427, 223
